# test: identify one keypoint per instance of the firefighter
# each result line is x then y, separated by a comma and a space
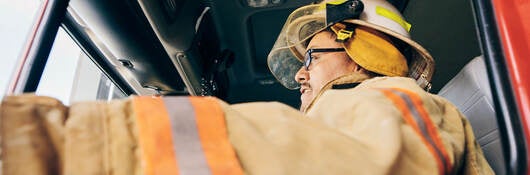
358, 71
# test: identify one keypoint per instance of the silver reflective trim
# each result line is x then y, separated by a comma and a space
186, 142
420, 123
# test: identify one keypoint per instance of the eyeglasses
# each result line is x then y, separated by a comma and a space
309, 56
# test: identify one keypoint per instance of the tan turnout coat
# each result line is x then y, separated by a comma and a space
385, 125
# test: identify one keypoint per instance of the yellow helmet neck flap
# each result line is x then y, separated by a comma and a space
373, 51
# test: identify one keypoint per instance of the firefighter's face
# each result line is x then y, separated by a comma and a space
324, 67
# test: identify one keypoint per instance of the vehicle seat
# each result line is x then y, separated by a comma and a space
470, 91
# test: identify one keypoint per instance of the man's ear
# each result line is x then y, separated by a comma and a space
356, 68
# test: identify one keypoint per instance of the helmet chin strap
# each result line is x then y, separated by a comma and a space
345, 33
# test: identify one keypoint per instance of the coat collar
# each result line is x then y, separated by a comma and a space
343, 82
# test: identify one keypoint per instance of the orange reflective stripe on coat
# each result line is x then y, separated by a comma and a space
184, 135
415, 115
154, 136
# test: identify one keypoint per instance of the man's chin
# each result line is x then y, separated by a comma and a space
305, 99
303, 106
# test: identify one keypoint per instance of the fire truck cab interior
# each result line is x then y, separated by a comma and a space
219, 48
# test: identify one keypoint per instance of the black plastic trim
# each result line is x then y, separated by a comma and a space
123, 28
510, 125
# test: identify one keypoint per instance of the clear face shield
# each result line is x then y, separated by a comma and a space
287, 54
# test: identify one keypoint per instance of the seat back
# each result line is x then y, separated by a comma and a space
470, 91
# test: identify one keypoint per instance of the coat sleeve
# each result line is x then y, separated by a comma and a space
31, 132
272, 138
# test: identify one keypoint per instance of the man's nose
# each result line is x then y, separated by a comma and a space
302, 75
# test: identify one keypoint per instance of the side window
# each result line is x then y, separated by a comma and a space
71, 76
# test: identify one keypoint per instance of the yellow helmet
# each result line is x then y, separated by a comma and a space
286, 56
